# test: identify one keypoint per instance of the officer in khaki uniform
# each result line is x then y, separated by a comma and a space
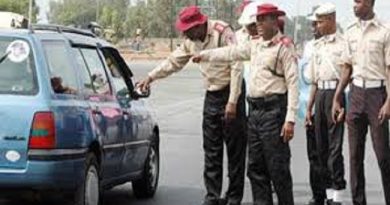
248, 22
273, 102
224, 106
325, 67
248, 31
367, 62
315, 169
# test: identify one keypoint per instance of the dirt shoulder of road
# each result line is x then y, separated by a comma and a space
151, 49
130, 55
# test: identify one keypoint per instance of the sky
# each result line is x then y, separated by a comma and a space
292, 7
43, 9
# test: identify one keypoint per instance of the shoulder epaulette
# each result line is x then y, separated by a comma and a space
220, 27
285, 40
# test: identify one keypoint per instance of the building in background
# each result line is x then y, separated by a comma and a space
12, 20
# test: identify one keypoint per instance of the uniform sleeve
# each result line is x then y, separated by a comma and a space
174, 63
236, 72
343, 44
347, 53
311, 73
290, 67
387, 59
237, 52
387, 48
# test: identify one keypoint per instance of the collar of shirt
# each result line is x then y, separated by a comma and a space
365, 24
210, 29
330, 38
275, 40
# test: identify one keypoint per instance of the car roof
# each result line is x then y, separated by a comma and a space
76, 36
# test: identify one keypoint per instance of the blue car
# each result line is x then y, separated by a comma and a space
70, 118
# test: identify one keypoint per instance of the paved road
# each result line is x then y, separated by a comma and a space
178, 105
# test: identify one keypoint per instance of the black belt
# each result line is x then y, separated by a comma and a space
268, 101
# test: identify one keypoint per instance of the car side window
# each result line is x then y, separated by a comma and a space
62, 73
85, 74
119, 82
97, 72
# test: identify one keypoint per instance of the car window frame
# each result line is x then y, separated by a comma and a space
74, 68
124, 69
37, 85
129, 85
95, 96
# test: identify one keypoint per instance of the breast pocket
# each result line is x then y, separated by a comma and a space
353, 45
337, 56
375, 46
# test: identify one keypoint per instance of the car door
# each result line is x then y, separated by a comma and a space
105, 110
135, 142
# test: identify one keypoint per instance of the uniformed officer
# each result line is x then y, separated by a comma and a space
367, 63
248, 22
318, 191
272, 111
224, 105
325, 67
248, 31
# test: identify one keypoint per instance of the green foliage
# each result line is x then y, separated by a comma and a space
18, 6
156, 19
72, 12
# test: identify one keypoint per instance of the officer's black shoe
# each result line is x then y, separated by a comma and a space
314, 201
329, 202
222, 201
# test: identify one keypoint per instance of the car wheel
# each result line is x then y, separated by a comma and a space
88, 193
146, 186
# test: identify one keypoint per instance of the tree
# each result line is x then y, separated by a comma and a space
19, 6
137, 18
114, 15
72, 12
110, 14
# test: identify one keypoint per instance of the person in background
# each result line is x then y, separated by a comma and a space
366, 60
318, 192
325, 67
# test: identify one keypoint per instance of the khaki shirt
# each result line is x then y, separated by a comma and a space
263, 55
216, 75
326, 62
242, 35
368, 49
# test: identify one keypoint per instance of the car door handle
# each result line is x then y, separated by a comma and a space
97, 112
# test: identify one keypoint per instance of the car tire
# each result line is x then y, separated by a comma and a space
146, 186
88, 193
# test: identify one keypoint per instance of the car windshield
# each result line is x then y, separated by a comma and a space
17, 67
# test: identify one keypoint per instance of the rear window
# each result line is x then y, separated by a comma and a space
62, 73
17, 75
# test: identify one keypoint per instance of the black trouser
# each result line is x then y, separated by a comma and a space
329, 138
216, 132
269, 157
363, 112
318, 191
